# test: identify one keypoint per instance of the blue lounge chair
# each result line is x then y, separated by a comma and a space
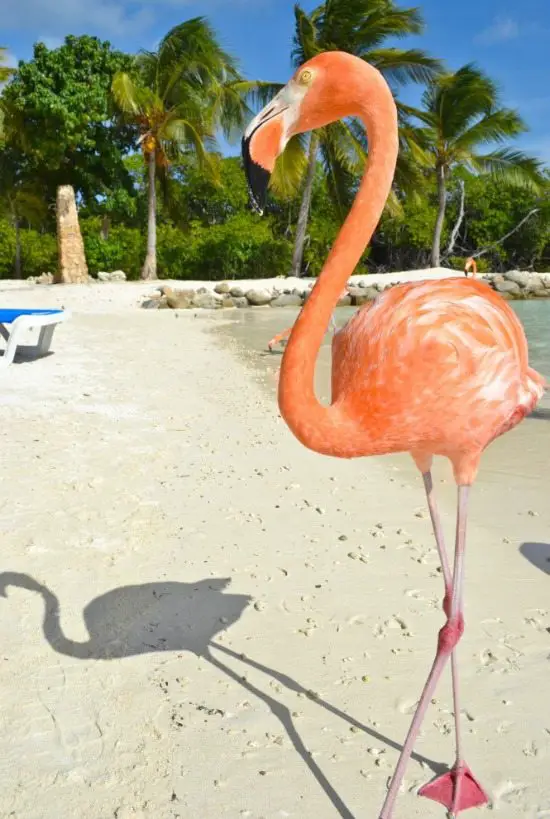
15, 323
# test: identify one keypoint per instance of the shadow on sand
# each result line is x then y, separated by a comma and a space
538, 554
173, 616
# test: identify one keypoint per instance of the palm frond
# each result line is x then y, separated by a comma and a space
458, 100
512, 167
498, 126
401, 66
290, 168
126, 93
306, 37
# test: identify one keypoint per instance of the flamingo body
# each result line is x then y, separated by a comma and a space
434, 368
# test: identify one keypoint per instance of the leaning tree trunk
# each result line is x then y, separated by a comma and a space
149, 270
72, 268
17, 248
440, 221
303, 216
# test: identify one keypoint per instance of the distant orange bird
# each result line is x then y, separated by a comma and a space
285, 333
429, 368
470, 265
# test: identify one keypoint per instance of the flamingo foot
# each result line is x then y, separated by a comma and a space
457, 790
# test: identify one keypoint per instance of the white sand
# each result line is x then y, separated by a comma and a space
144, 467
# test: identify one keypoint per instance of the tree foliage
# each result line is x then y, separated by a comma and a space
462, 118
87, 115
59, 109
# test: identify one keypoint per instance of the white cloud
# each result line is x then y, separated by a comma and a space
53, 19
500, 31
56, 18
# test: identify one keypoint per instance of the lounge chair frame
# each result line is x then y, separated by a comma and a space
14, 325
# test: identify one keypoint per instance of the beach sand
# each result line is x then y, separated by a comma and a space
204, 619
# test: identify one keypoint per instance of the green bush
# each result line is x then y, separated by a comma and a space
124, 249
7, 249
38, 253
176, 253
242, 247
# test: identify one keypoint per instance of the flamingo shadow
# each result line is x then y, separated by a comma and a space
538, 554
174, 616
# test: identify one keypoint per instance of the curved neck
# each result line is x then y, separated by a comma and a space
51, 625
328, 430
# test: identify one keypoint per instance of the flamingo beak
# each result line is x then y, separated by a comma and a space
263, 141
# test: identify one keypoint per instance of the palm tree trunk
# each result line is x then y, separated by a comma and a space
149, 270
439, 222
17, 249
303, 216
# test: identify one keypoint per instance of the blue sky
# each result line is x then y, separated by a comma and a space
508, 39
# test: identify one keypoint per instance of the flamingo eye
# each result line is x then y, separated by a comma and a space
305, 77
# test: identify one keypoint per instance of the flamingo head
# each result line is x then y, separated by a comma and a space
328, 87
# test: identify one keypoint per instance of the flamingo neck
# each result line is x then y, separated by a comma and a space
328, 430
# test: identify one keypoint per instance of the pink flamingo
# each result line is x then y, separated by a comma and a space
432, 368
470, 265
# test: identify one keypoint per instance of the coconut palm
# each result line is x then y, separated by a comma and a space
360, 27
178, 96
462, 114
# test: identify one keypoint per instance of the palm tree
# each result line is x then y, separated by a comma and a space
178, 96
461, 113
360, 27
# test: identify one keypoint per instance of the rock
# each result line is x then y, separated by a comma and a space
115, 276
535, 283
240, 301
287, 300
222, 288
177, 299
344, 301
207, 301
44, 278
520, 277
151, 304
360, 296
237, 292
228, 302
372, 293
509, 287
259, 297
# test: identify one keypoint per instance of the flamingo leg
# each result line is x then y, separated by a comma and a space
457, 789
448, 580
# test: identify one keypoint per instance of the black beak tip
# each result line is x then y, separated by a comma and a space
257, 178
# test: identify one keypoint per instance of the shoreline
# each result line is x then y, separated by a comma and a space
101, 296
